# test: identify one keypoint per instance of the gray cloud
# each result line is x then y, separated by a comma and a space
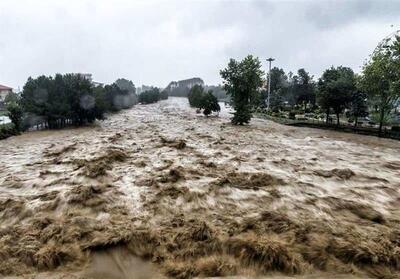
153, 42
332, 14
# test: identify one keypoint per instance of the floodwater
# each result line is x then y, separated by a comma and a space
159, 191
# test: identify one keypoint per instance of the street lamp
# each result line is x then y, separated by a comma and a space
269, 80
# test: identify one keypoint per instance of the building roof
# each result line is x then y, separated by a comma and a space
3, 87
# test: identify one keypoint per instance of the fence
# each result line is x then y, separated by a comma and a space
315, 123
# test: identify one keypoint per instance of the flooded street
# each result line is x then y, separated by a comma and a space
158, 190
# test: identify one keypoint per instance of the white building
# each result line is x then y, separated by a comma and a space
4, 91
184, 84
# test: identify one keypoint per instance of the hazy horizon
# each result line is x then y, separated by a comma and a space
155, 42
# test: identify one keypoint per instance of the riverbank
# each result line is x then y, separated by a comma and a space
389, 133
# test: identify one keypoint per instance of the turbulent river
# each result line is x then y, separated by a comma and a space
159, 191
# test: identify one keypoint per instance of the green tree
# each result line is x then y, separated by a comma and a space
127, 96
304, 89
111, 93
195, 96
11, 98
279, 83
279, 79
290, 94
15, 113
79, 98
358, 105
150, 96
101, 101
209, 103
34, 96
242, 81
60, 100
126, 85
335, 88
276, 99
381, 78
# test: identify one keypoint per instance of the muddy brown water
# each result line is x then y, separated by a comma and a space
158, 191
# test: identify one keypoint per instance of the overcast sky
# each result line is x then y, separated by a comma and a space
154, 42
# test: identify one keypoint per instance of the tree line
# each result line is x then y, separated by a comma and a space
183, 90
68, 99
152, 95
71, 99
54, 102
376, 90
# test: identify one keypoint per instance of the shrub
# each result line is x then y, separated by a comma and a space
209, 103
195, 96
7, 130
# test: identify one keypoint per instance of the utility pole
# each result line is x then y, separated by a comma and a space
269, 81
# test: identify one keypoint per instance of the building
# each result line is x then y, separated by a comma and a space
186, 83
4, 91
181, 88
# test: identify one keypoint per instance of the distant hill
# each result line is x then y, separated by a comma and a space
181, 88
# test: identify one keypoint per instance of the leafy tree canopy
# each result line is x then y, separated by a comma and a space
11, 98
195, 96
126, 85
242, 81
381, 78
150, 96
335, 88
209, 103
72, 99
15, 113
63, 98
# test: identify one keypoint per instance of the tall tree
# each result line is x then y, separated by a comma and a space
381, 78
195, 96
125, 84
358, 105
304, 89
11, 98
335, 88
127, 97
279, 84
242, 80
276, 99
278, 79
